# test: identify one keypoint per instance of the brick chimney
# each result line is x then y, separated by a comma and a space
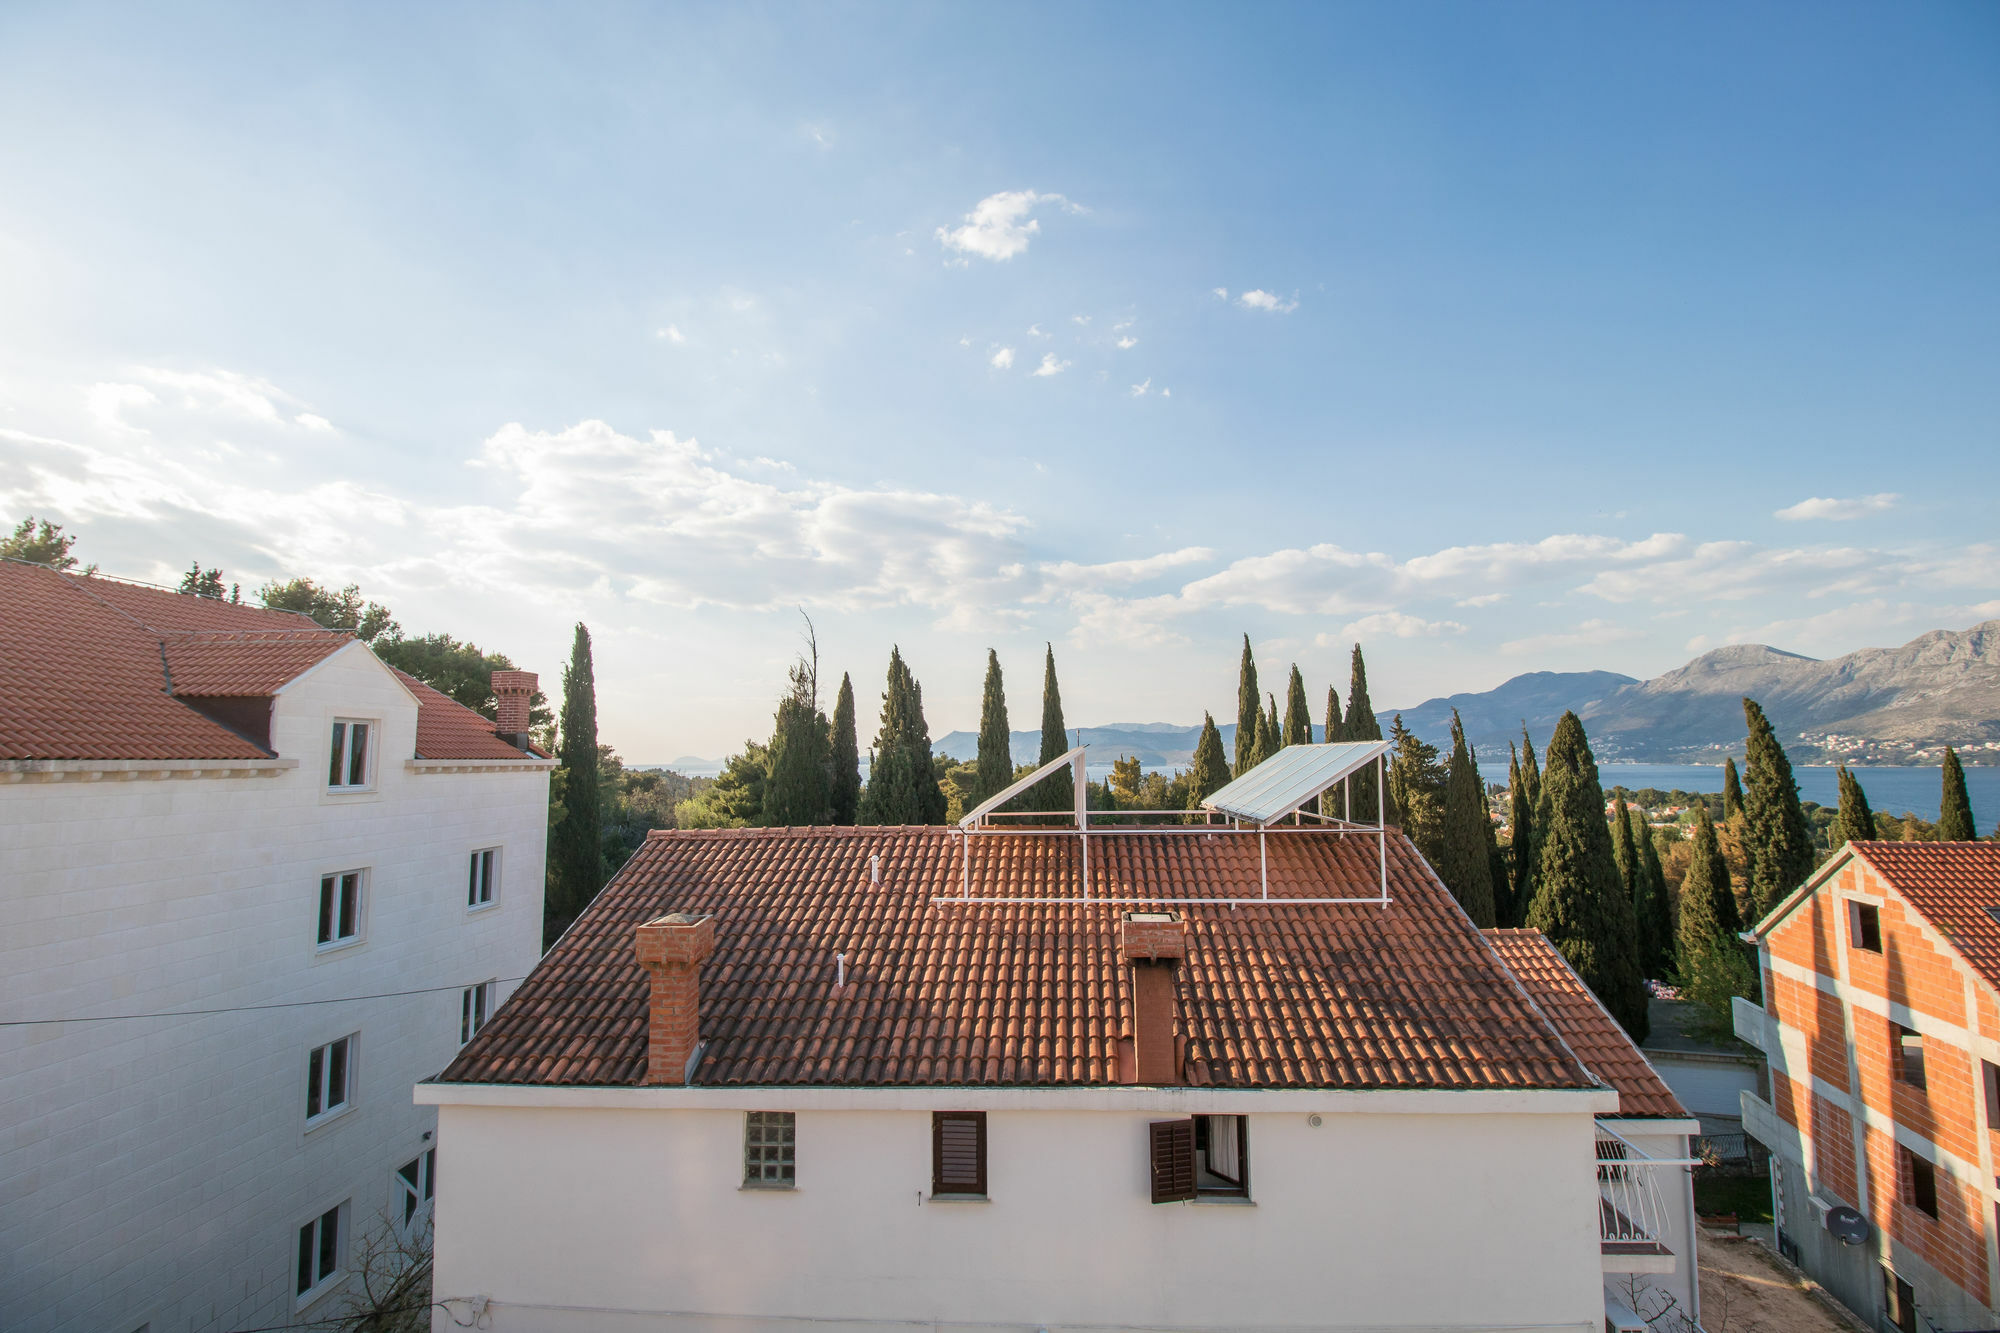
512, 690
671, 949
1153, 944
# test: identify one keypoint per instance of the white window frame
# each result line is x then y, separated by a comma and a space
320, 1083
336, 879
475, 1010
324, 1281
490, 869
340, 753
410, 1202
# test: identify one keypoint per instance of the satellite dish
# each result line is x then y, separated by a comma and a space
1847, 1225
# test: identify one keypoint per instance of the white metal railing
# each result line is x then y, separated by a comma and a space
1631, 1210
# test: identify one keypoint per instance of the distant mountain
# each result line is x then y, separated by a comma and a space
1494, 718
1163, 746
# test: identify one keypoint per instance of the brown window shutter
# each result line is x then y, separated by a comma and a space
958, 1152
1173, 1160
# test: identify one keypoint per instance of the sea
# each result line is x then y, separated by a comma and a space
1894, 791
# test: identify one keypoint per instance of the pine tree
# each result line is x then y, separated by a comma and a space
576, 853
1055, 793
902, 785
1581, 904
1417, 789
1732, 789
1462, 861
1623, 850
996, 754
799, 789
1362, 726
1298, 716
1954, 807
1774, 821
846, 757
1210, 772
1855, 822
1247, 711
1654, 908
1713, 964
1331, 730
1521, 795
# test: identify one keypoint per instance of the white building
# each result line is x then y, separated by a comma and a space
256, 885
778, 1079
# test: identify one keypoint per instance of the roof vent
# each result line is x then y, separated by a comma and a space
874, 870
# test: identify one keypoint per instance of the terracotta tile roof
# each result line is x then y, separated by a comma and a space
1333, 996
1585, 1024
447, 729
166, 612
1954, 885
209, 664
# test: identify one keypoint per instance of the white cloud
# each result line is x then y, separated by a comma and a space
313, 421
1140, 390
1821, 507
1036, 331
1166, 393
1004, 359
1081, 321
672, 334
1051, 365
1259, 299
1068, 576
1222, 292
1127, 343
999, 226
820, 135
1589, 634
1483, 599
1394, 625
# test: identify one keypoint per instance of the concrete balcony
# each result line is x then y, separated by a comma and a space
1752, 1024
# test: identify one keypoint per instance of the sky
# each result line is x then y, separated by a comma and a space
1497, 338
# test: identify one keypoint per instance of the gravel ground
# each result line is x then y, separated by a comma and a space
1747, 1289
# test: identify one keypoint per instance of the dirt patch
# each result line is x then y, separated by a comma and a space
1747, 1289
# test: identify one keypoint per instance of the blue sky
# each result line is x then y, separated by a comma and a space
1498, 337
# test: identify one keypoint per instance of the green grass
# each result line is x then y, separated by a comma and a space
1749, 1197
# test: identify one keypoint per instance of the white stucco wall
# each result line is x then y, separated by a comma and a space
1655, 1294
562, 1218
156, 1171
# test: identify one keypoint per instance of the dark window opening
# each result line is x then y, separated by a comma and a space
1864, 926
958, 1153
1991, 1072
1922, 1175
1205, 1156
1901, 1298
1909, 1055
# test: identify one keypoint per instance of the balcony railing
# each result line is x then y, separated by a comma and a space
1632, 1212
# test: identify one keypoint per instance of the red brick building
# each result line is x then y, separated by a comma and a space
1881, 1024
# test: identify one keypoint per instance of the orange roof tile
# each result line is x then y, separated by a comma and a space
447, 729
1955, 885
209, 664
1585, 1023
1331, 996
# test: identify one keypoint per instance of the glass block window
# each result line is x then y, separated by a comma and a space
769, 1147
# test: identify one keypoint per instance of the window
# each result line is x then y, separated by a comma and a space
415, 1185
329, 1080
769, 1149
479, 883
339, 909
319, 1253
348, 764
1205, 1156
1908, 1054
475, 1006
1991, 1073
1901, 1298
1921, 1178
1864, 926
958, 1154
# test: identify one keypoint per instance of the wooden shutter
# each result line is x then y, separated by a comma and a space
1173, 1160
958, 1152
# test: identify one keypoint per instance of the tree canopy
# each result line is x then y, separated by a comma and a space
1855, 822
1210, 770
902, 782
1055, 793
846, 756
40, 543
1298, 714
335, 609
1247, 711
1361, 726
1462, 861
1954, 806
1775, 832
575, 856
996, 756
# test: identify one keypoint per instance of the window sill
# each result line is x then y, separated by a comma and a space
338, 946
1222, 1201
314, 1295
768, 1187
486, 906
325, 1118
961, 1198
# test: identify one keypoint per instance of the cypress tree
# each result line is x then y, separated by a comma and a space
1623, 850
1581, 904
1855, 822
1521, 814
1530, 769
1331, 729
798, 791
1263, 741
1713, 964
1732, 789
1954, 806
1496, 866
1462, 861
576, 854
1654, 908
1055, 793
846, 756
996, 754
1274, 730
1362, 726
1210, 772
902, 789
1298, 716
1774, 821
1417, 782
1247, 711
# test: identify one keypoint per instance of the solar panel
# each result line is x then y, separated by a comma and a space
1293, 776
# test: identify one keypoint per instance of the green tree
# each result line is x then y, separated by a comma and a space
1417, 789
576, 858
1775, 832
1210, 771
1855, 822
199, 582
1126, 774
1332, 730
1271, 735
996, 756
1623, 850
460, 670
1247, 711
1654, 908
736, 798
846, 748
42, 543
1362, 726
1521, 796
335, 610
1298, 716
1262, 743
1713, 965
1462, 861
799, 790
1732, 789
902, 781
1055, 793
1581, 904
1955, 807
